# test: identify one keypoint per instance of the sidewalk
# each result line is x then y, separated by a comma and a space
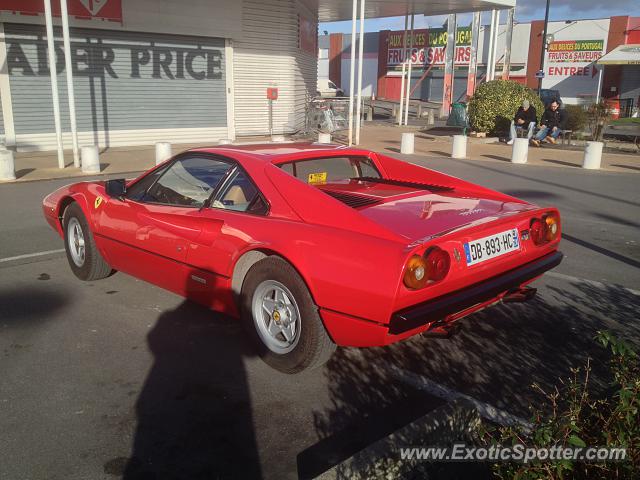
383, 138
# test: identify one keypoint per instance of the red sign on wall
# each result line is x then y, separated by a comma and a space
87, 9
272, 93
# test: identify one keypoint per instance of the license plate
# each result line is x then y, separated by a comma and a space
493, 246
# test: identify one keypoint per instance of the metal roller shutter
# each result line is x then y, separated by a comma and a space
130, 88
269, 55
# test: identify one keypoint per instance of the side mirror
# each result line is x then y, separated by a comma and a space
116, 188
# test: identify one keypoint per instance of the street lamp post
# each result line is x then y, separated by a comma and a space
544, 45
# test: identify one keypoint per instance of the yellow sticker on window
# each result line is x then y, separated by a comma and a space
320, 177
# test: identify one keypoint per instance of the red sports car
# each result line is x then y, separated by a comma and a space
311, 246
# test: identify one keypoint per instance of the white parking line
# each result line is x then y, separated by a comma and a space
485, 410
595, 283
31, 255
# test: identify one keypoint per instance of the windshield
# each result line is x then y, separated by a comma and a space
332, 169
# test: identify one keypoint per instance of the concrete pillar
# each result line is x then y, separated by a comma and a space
7, 165
520, 150
163, 152
324, 137
90, 159
459, 147
407, 144
225, 141
592, 155
431, 117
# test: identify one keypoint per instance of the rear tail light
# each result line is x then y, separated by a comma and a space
415, 273
439, 262
544, 230
432, 267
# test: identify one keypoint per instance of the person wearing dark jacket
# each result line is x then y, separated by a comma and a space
553, 121
525, 117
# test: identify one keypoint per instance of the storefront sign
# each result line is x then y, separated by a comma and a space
99, 60
428, 47
87, 9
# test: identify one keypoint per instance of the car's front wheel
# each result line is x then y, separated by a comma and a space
83, 255
279, 313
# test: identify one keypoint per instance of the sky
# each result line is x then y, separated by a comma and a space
526, 10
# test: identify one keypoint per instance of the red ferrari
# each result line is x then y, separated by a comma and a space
311, 246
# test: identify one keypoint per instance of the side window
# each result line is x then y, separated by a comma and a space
137, 191
240, 194
188, 182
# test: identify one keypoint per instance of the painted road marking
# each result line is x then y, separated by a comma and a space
31, 255
485, 410
595, 283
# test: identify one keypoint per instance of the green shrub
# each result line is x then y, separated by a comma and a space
494, 104
572, 416
576, 118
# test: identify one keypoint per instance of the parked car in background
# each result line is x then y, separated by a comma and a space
311, 246
326, 88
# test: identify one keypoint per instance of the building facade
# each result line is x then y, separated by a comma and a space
158, 70
570, 60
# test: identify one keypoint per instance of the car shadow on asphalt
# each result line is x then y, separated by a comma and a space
194, 415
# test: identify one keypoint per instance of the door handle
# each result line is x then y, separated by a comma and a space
209, 232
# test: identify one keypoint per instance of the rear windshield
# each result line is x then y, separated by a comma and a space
331, 169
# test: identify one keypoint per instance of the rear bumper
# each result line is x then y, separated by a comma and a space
441, 307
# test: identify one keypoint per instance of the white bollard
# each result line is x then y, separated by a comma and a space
163, 152
324, 137
278, 138
7, 165
592, 155
407, 144
520, 150
225, 141
90, 157
459, 148
431, 117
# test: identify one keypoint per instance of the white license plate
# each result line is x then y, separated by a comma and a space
493, 246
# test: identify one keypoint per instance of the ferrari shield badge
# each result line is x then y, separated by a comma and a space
97, 203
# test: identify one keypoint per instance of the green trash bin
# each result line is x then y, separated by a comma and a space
458, 117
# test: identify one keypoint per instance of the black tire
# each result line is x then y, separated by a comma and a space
314, 346
94, 266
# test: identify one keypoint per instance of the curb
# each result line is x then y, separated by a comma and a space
442, 426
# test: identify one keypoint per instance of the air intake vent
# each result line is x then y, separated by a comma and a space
352, 199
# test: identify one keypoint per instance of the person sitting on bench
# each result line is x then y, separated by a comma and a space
553, 121
525, 118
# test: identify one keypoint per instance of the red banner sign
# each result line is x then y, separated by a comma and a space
87, 9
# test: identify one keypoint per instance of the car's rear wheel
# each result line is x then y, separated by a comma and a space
83, 256
281, 317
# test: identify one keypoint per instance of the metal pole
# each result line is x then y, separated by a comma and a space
410, 60
599, 84
506, 64
544, 44
353, 66
270, 117
404, 60
54, 81
449, 60
494, 55
490, 52
360, 61
69, 70
473, 61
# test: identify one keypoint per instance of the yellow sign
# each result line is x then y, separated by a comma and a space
97, 202
317, 178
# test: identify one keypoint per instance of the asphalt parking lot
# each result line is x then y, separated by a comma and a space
118, 378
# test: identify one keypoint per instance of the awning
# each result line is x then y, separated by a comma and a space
622, 55
332, 10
